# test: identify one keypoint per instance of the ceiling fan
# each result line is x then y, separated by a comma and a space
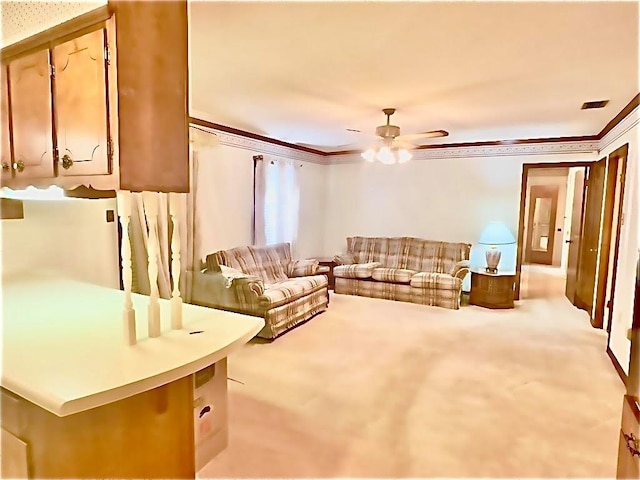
391, 133
394, 148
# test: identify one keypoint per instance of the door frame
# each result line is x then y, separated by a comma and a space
621, 152
616, 160
526, 167
551, 237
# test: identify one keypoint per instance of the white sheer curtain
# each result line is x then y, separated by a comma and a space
277, 201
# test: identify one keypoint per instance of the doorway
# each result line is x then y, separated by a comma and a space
545, 209
587, 234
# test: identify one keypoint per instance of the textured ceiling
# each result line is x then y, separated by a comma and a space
23, 19
305, 72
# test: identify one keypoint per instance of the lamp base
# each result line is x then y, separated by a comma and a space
493, 259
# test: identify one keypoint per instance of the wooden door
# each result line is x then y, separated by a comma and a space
576, 233
541, 226
5, 148
590, 239
30, 97
629, 443
81, 105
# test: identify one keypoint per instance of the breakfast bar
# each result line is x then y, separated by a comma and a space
78, 401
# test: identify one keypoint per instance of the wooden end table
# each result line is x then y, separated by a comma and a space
328, 262
492, 290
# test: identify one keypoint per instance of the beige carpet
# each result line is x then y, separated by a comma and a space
376, 388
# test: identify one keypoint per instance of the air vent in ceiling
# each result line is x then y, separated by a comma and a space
596, 104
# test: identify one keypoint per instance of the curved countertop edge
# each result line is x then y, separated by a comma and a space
62, 408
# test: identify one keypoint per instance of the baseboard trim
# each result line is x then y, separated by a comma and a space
617, 366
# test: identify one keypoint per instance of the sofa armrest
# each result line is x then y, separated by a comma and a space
213, 289
344, 259
460, 269
302, 268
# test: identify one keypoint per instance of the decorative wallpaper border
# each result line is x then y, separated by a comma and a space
528, 149
543, 148
621, 128
547, 148
259, 146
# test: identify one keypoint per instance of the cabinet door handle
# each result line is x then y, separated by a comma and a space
66, 161
5, 166
18, 166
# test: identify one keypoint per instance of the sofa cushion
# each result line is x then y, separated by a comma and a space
393, 275
268, 263
435, 281
388, 251
357, 270
284, 292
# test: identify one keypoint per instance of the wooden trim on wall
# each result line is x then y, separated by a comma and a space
635, 101
617, 366
622, 154
56, 33
521, 221
254, 136
492, 143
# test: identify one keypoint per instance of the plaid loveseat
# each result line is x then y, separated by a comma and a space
403, 268
263, 281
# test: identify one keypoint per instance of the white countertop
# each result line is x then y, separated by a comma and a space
63, 344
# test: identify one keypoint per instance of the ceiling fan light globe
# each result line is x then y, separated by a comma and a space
385, 155
369, 155
403, 156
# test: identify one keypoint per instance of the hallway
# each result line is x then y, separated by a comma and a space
542, 281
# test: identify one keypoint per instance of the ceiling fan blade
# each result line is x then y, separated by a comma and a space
420, 136
402, 144
361, 134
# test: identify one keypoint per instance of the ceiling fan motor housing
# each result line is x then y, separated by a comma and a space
388, 131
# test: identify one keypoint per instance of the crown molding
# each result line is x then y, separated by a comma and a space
624, 121
623, 126
267, 148
529, 149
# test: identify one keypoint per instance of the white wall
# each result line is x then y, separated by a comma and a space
448, 199
69, 236
224, 203
628, 254
551, 177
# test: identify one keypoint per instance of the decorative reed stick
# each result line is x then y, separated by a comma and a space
150, 201
123, 201
175, 209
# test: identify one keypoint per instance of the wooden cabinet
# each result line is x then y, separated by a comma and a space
492, 290
30, 115
81, 105
58, 110
83, 110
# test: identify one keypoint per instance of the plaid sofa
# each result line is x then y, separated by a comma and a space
263, 281
403, 268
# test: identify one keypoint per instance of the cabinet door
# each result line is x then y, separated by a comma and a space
30, 93
5, 147
81, 106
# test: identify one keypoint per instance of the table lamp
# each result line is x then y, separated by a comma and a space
494, 235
